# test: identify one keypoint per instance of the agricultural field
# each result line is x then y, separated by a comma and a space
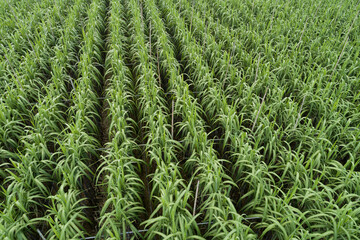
179, 119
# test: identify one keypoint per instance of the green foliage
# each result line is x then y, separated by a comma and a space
179, 119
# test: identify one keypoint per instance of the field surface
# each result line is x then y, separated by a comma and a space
179, 119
